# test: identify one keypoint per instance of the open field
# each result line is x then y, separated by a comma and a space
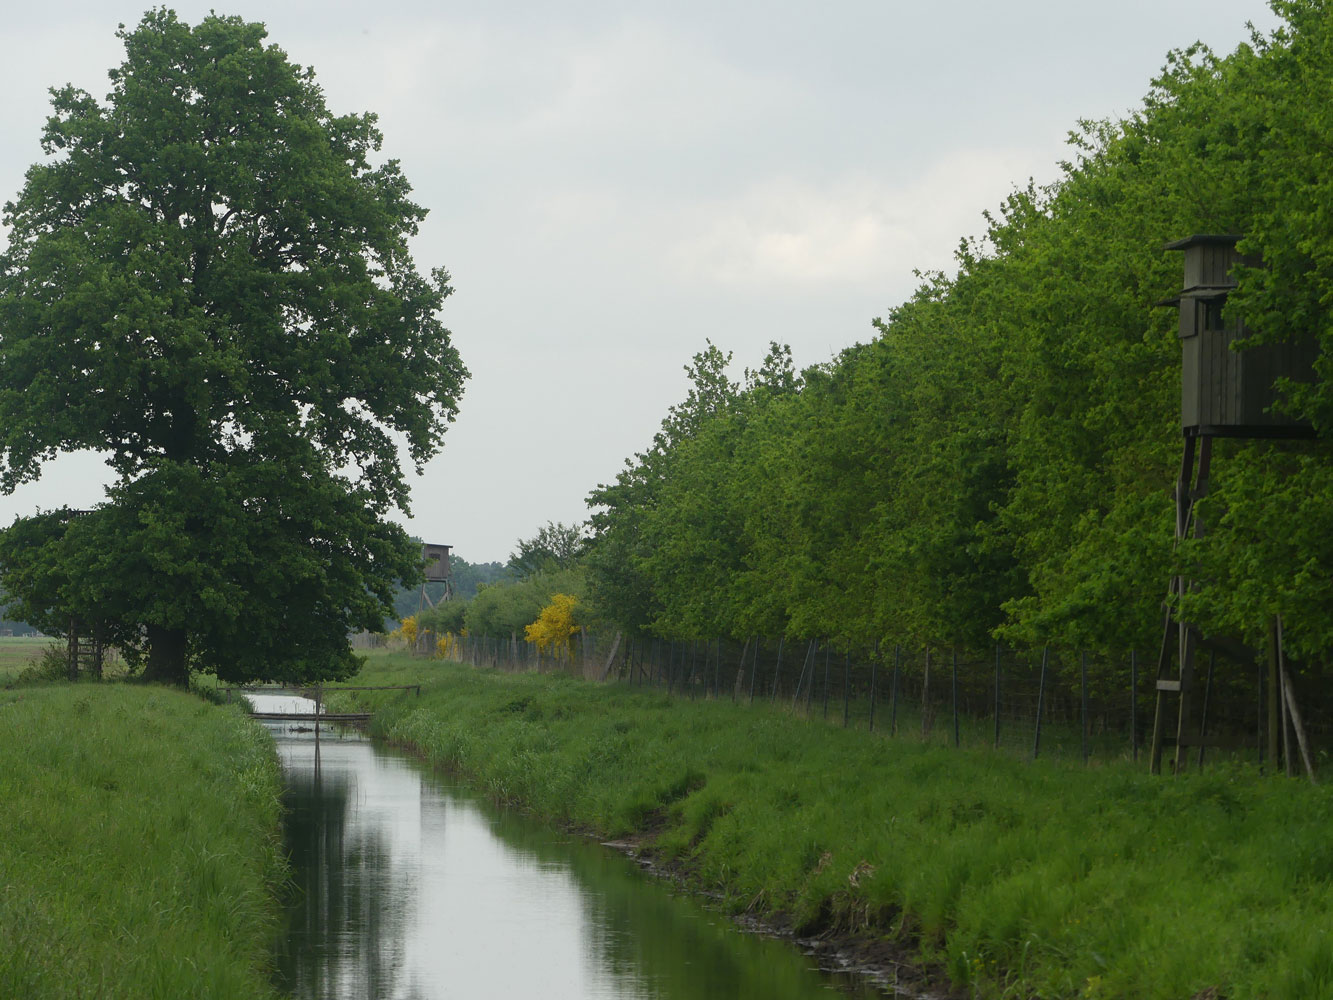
18, 652
140, 846
1016, 878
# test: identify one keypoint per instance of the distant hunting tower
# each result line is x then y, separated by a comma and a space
438, 570
1224, 393
436, 558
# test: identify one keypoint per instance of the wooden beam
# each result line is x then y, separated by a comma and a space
1291, 707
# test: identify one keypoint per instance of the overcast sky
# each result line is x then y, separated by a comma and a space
611, 184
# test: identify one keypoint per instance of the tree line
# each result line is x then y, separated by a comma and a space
999, 460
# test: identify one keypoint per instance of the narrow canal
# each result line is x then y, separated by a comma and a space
409, 886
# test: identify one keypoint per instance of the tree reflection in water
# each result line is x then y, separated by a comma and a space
350, 901
660, 945
408, 888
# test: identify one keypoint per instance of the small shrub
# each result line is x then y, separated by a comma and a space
51, 666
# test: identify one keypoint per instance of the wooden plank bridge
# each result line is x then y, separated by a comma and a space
311, 716
315, 694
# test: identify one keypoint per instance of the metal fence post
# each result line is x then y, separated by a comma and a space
1207, 696
777, 671
810, 691
893, 692
807, 662
925, 698
874, 669
846, 688
1083, 700
954, 694
1041, 701
826, 656
1133, 707
997, 696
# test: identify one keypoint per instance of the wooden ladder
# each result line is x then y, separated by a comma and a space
1180, 641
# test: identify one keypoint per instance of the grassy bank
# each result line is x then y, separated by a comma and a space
139, 845
1017, 878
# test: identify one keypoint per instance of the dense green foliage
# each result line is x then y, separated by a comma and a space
129, 872
1019, 878
469, 578
1000, 459
505, 599
208, 280
554, 547
504, 609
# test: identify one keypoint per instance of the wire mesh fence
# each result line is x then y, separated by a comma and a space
1031, 702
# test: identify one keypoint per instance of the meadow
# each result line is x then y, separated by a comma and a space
17, 653
1007, 876
140, 847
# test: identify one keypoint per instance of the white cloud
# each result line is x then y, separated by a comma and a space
853, 230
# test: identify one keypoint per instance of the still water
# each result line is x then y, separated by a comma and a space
408, 886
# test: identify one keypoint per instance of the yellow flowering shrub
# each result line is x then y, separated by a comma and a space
406, 632
554, 629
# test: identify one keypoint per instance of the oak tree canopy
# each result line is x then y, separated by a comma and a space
208, 279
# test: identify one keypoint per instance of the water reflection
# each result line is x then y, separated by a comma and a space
346, 924
409, 888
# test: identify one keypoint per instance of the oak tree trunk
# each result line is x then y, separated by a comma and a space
166, 656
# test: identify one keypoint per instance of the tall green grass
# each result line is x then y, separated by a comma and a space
1016, 878
140, 846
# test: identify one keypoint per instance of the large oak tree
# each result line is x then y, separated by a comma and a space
208, 279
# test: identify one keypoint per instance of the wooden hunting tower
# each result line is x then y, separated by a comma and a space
436, 558
438, 570
1225, 392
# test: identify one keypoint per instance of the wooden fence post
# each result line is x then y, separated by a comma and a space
740, 670
1289, 700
